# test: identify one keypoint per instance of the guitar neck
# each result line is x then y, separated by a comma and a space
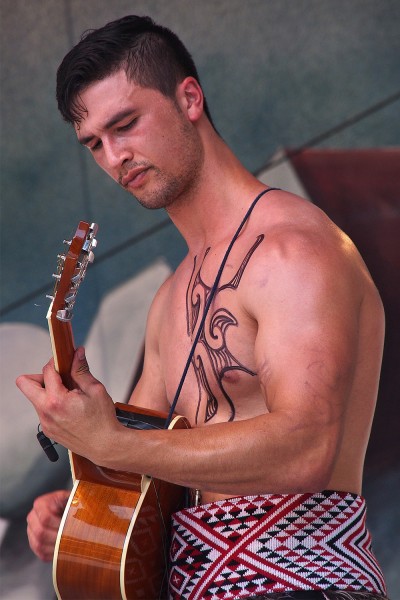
63, 347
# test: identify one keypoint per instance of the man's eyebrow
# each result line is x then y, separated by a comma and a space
119, 116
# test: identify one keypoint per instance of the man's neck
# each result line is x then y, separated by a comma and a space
213, 210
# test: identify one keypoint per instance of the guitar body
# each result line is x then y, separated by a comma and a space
113, 541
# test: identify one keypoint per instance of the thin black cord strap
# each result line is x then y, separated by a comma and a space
208, 304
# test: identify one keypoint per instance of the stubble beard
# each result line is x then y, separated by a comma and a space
170, 189
163, 192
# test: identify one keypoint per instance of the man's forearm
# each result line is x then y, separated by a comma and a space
258, 455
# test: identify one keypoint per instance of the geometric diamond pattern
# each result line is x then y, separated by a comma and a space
261, 544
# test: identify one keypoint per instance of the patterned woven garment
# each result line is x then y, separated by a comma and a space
246, 546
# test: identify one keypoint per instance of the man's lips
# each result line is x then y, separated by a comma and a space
132, 176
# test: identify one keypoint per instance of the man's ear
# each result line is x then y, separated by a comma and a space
190, 98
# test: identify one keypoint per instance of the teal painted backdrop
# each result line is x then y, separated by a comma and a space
277, 73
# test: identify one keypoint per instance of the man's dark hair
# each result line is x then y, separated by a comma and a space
152, 56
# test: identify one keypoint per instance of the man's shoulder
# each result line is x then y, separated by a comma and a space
294, 227
302, 244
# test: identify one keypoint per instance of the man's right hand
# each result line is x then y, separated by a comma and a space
44, 521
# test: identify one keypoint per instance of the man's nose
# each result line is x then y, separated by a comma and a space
117, 154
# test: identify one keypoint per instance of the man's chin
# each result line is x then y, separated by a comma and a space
151, 202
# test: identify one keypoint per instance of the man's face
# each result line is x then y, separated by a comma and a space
142, 139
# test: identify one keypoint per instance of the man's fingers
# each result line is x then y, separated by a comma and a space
60, 499
31, 385
34, 386
42, 544
80, 371
43, 523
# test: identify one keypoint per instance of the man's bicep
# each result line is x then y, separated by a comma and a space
306, 346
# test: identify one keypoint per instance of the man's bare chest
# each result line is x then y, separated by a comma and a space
211, 331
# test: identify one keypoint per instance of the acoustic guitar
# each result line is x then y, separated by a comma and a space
113, 538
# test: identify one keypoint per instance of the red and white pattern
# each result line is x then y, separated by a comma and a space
251, 545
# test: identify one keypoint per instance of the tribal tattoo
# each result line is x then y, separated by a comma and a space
212, 345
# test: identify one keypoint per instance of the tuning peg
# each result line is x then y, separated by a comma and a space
67, 242
90, 243
64, 315
90, 256
49, 297
56, 276
61, 257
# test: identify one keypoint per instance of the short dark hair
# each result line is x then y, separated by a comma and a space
152, 56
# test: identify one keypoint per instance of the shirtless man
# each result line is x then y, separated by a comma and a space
283, 383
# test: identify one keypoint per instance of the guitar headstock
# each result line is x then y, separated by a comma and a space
71, 270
